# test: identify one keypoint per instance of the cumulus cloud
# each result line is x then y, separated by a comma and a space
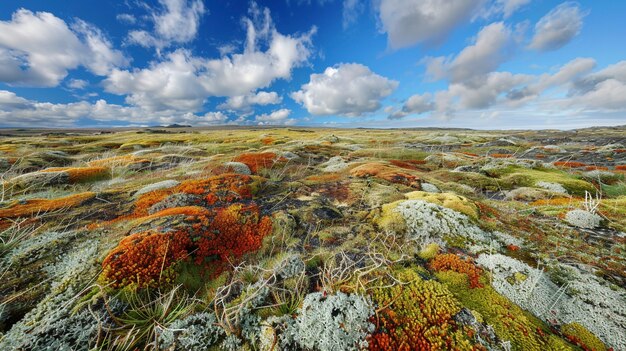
349, 89
278, 117
571, 87
605, 89
493, 45
416, 104
38, 49
175, 22
245, 102
77, 84
410, 22
558, 27
182, 81
18, 111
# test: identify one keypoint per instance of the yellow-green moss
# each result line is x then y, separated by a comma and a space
582, 337
449, 200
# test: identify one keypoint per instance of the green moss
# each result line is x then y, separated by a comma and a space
582, 337
518, 176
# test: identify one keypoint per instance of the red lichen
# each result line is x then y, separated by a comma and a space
452, 262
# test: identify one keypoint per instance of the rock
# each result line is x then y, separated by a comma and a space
39, 179
528, 194
166, 184
238, 168
554, 187
175, 200
334, 164
430, 188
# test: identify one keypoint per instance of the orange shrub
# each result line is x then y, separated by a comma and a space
452, 262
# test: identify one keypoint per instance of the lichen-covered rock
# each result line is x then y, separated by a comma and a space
430, 188
238, 168
334, 164
337, 322
554, 187
425, 222
38, 180
583, 219
448, 200
166, 184
196, 332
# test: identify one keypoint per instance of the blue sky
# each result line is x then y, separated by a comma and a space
346, 63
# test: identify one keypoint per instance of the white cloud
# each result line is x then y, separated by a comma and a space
605, 89
504, 8
493, 46
245, 102
558, 27
182, 81
352, 9
38, 49
275, 118
416, 104
126, 18
18, 111
346, 89
410, 22
176, 22
77, 84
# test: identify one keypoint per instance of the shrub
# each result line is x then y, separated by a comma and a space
257, 161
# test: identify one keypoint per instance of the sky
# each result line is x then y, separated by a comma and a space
484, 64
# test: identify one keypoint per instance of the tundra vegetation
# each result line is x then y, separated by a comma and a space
313, 239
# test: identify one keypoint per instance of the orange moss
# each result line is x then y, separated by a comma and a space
82, 174
322, 178
468, 154
268, 141
501, 155
570, 164
142, 258
34, 206
407, 164
189, 211
540, 156
257, 161
386, 172
452, 262
204, 236
620, 167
